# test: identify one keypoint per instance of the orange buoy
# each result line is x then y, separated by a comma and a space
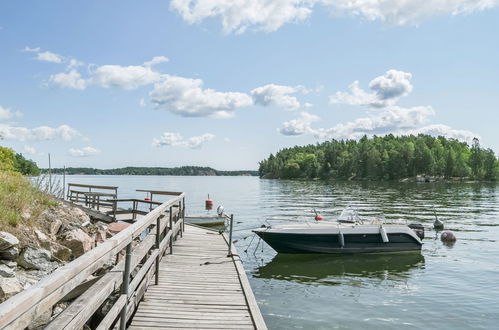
208, 203
317, 216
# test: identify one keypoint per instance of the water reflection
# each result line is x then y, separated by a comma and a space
323, 269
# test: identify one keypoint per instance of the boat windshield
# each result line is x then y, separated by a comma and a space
349, 215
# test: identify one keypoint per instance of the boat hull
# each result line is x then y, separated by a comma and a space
284, 242
205, 221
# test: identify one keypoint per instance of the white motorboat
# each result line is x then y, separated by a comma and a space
349, 234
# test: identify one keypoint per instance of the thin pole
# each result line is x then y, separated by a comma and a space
230, 235
50, 176
124, 286
64, 183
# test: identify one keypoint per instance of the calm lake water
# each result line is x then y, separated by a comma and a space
444, 287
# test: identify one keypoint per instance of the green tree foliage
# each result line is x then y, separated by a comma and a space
181, 171
383, 158
10, 161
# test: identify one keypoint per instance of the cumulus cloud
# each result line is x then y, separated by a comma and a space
391, 120
125, 77
71, 79
176, 140
107, 76
299, 126
186, 97
83, 152
444, 130
49, 57
387, 89
237, 16
276, 95
42, 133
6, 113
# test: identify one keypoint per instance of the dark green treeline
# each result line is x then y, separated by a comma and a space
383, 158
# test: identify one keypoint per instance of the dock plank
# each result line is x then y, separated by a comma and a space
199, 288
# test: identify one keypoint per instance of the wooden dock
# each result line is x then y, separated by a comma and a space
199, 288
164, 274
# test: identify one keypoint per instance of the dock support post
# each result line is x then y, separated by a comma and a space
180, 206
171, 228
158, 237
124, 286
230, 235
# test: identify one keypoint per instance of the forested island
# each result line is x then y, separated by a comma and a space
180, 171
384, 158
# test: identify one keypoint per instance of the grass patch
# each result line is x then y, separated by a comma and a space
20, 201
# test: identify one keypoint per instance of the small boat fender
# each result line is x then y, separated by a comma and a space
220, 210
383, 234
341, 239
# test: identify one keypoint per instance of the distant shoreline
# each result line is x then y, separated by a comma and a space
161, 171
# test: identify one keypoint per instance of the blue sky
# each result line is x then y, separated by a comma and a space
224, 83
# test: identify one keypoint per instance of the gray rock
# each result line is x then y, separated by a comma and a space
32, 258
6, 271
60, 252
10, 254
78, 241
55, 226
9, 263
7, 240
9, 287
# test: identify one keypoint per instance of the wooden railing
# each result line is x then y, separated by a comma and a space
92, 195
144, 243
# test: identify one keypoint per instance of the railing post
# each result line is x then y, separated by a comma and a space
158, 236
230, 235
124, 286
183, 214
171, 229
180, 206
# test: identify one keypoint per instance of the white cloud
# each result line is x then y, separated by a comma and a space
390, 120
63, 132
125, 77
238, 15
83, 152
300, 126
176, 140
444, 130
387, 89
31, 50
156, 60
49, 57
71, 79
6, 113
107, 76
276, 95
407, 12
142, 103
186, 97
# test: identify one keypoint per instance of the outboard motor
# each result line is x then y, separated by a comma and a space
220, 210
418, 229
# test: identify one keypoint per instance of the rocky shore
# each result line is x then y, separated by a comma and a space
28, 253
